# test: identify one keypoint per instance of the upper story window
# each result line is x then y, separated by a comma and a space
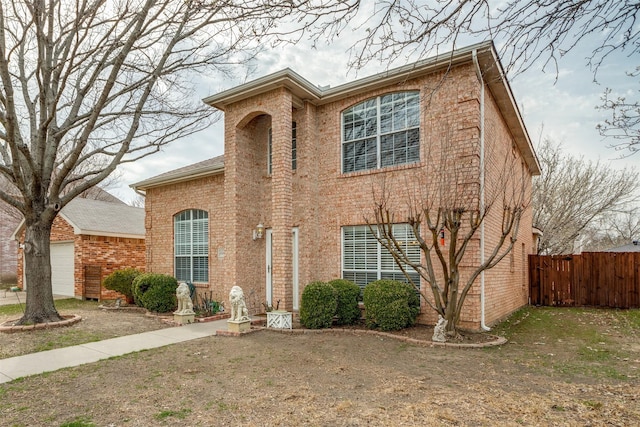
382, 131
191, 245
294, 142
294, 151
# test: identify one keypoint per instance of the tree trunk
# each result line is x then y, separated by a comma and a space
450, 317
37, 272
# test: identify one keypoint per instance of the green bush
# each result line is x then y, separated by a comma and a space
347, 311
318, 305
390, 305
121, 281
155, 292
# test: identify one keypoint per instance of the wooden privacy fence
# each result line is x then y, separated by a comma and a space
598, 279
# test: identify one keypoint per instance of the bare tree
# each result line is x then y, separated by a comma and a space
525, 31
448, 199
610, 231
527, 34
92, 84
623, 126
572, 193
137, 201
8, 210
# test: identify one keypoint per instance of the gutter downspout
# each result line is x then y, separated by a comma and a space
474, 54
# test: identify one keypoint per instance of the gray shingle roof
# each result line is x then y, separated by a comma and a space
631, 247
189, 172
97, 217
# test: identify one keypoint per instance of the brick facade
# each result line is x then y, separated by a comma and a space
317, 199
107, 252
8, 247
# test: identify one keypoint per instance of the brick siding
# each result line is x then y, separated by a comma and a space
108, 252
318, 199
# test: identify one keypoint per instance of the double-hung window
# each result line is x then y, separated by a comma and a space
381, 132
294, 149
191, 245
364, 259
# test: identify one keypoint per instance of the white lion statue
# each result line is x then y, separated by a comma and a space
239, 311
183, 294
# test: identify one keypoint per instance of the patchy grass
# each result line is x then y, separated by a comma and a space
560, 367
78, 422
582, 342
69, 338
68, 304
11, 309
181, 414
96, 325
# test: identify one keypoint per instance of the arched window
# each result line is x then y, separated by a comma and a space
382, 131
191, 245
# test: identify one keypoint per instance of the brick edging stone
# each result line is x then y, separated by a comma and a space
8, 327
496, 340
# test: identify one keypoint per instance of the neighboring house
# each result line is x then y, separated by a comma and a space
634, 246
10, 218
89, 240
285, 205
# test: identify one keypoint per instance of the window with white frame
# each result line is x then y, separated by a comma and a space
191, 245
294, 149
381, 132
364, 259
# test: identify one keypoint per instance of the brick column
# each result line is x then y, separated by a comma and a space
281, 203
231, 207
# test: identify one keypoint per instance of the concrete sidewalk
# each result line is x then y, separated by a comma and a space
52, 360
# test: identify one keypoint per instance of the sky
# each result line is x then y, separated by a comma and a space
559, 106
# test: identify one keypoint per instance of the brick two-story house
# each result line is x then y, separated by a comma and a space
287, 202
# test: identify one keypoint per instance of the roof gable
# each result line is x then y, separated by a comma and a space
207, 167
96, 217
100, 218
482, 55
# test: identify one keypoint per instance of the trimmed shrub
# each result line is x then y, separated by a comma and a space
121, 281
318, 305
390, 305
347, 310
155, 292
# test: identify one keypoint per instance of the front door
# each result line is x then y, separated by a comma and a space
269, 269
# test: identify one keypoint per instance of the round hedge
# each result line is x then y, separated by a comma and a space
390, 305
155, 292
347, 310
121, 281
318, 305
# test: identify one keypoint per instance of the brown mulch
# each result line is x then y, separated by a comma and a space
418, 333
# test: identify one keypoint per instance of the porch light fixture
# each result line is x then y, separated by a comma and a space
258, 232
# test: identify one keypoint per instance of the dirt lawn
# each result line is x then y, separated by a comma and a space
561, 367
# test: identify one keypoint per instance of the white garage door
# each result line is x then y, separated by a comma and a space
62, 269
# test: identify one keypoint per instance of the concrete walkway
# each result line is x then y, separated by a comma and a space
52, 360
9, 297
